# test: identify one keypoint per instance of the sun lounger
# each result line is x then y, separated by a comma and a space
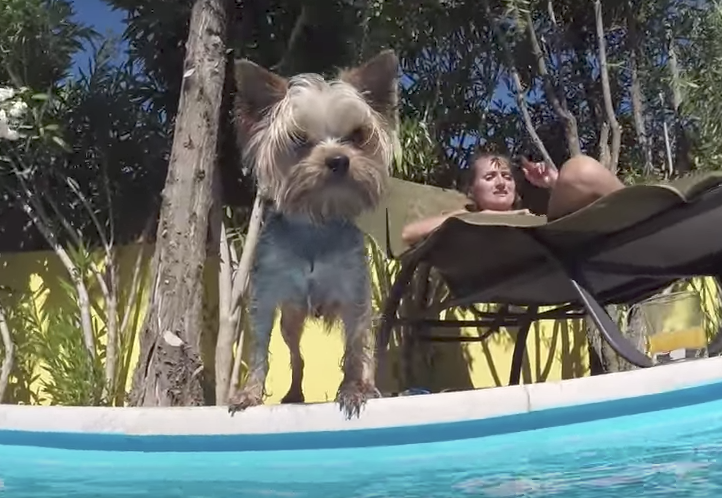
623, 248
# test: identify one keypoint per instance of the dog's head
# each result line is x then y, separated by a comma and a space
318, 148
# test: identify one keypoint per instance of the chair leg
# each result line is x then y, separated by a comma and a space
609, 330
517, 359
714, 348
390, 310
715, 345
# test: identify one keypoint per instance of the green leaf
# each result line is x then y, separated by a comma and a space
60, 142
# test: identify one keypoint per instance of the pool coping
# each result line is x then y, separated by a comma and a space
420, 410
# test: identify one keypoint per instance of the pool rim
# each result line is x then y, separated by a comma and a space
384, 422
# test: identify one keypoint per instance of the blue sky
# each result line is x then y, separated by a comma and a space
98, 15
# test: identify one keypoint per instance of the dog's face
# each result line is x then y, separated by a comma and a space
321, 149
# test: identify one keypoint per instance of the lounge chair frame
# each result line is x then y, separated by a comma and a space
576, 267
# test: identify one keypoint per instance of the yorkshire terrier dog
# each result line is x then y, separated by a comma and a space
321, 151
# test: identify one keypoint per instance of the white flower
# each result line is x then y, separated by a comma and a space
12, 109
6, 93
18, 109
6, 132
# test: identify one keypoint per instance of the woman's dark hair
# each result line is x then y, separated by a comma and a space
483, 154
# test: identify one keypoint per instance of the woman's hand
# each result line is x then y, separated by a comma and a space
541, 174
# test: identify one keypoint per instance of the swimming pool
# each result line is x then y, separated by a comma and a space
650, 433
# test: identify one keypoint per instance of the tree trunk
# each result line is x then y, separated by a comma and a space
519, 92
556, 94
170, 364
682, 159
611, 116
603, 359
239, 285
636, 94
8, 347
675, 82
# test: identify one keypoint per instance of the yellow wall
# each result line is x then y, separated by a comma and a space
556, 349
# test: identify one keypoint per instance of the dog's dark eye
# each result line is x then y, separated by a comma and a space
356, 137
300, 141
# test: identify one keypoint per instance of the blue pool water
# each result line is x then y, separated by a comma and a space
673, 451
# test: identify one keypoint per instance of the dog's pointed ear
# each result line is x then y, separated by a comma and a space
377, 80
257, 90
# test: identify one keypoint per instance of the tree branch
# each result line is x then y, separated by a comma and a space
553, 96
674, 72
240, 282
285, 63
32, 207
109, 291
667, 143
550, 11
608, 104
633, 46
518, 88
226, 326
9, 357
604, 154
127, 333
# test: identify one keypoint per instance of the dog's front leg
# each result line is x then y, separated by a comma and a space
262, 311
358, 384
292, 320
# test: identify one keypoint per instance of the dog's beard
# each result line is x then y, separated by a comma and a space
313, 191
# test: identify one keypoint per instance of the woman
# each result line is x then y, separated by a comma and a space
581, 181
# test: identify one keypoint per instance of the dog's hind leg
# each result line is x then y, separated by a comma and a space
358, 384
262, 313
292, 320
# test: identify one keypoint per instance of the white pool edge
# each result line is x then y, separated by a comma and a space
389, 412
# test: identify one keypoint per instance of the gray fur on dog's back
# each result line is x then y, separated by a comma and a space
310, 265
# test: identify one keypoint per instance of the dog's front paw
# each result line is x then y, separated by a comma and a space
352, 397
293, 397
243, 399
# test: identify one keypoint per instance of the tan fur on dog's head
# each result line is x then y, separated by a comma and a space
319, 148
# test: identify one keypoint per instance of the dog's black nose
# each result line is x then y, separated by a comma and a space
338, 164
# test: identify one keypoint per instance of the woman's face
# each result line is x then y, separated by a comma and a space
493, 188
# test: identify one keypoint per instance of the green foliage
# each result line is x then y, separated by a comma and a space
703, 105
415, 163
95, 132
37, 41
51, 361
86, 170
71, 377
23, 387
120, 144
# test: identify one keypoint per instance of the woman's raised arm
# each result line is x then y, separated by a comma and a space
417, 230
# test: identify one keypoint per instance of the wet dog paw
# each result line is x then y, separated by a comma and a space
244, 399
352, 397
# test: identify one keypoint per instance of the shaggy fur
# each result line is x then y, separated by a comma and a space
321, 152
